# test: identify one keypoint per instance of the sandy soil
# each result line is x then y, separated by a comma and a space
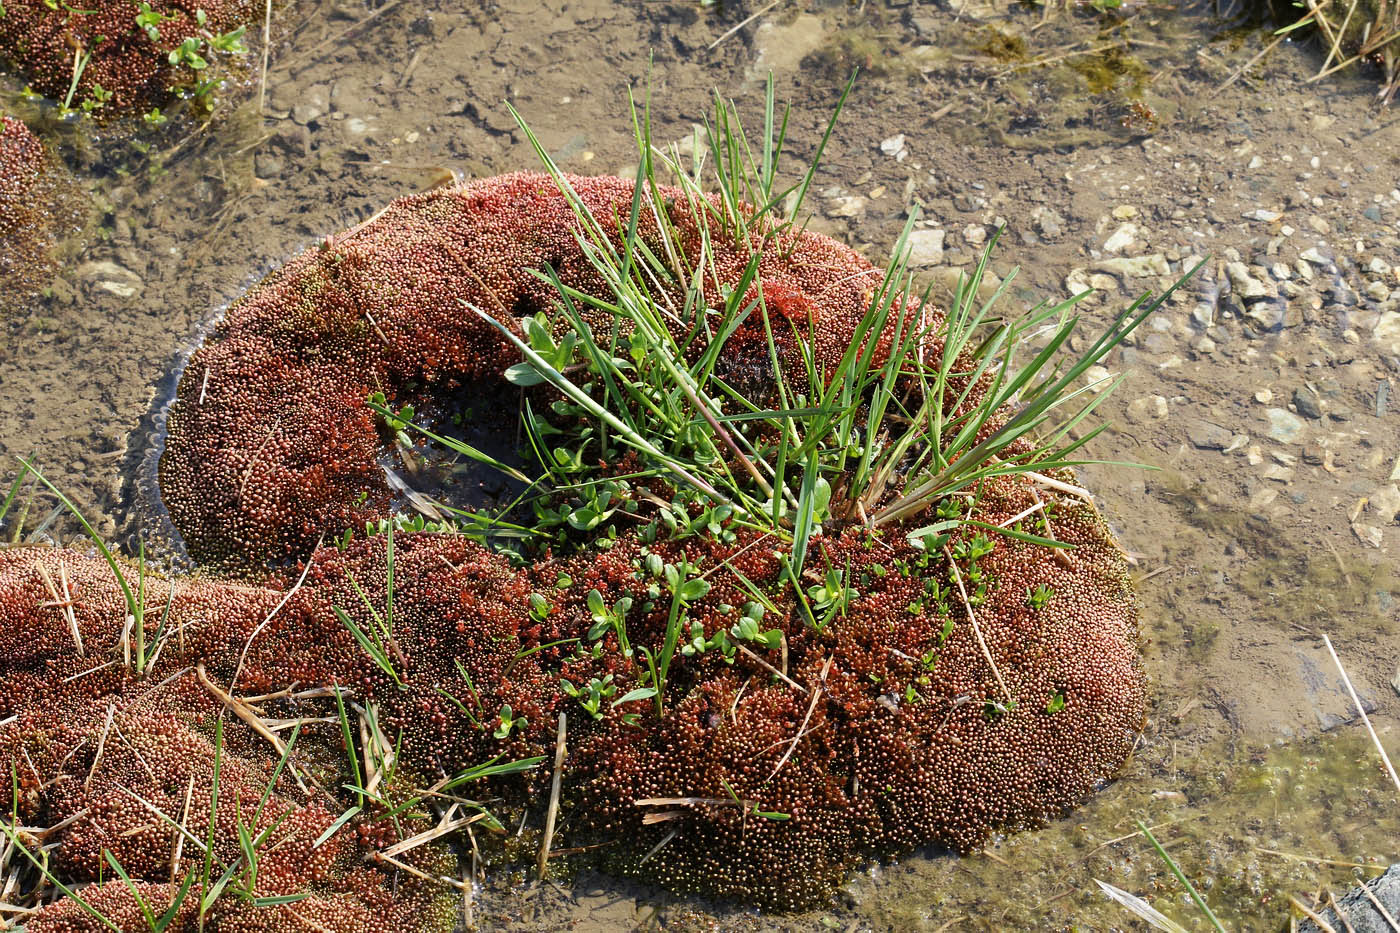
1263, 397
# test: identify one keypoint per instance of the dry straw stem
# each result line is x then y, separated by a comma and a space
1312, 915
976, 629
250, 718
1380, 908
1390, 768
559, 749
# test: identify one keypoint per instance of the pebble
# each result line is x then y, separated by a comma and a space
312, 104
1281, 271
1245, 285
1125, 212
1208, 435
1377, 291
107, 276
1148, 408
1263, 216
851, 205
1385, 502
1097, 378
1307, 404
1267, 316
1264, 396
1284, 426
1387, 331
1121, 239
1278, 473
925, 247
1136, 267
1048, 222
892, 146
975, 234
1314, 256
1372, 213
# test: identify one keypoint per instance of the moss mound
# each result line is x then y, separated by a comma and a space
733, 725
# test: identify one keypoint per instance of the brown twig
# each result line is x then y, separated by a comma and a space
816, 695
553, 814
976, 629
1312, 915
773, 670
251, 719
1390, 768
62, 602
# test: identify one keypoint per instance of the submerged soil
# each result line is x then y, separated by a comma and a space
1116, 151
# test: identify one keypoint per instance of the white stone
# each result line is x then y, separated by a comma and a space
893, 145
1136, 267
1387, 332
1121, 239
1097, 378
925, 248
850, 205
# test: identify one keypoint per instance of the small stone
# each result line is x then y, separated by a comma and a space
1245, 285
1048, 222
1280, 271
311, 104
1121, 239
850, 205
1284, 426
1369, 535
1146, 409
1262, 215
893, 145
1208, 435
1385, 502
1125, 212
1314, 256
267, 165
1378, 266
1097, 378
1377, 291
1372, 213
1267, 316
975, 234
107, 276
1314, 455
1387, 331
1264, 396
1307, 404
1136, 267
1278, 473
925, 247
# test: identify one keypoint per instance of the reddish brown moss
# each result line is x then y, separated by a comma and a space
278, 445
886, 730
47, 44
38, 208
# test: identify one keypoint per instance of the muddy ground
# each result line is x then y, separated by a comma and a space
1264, 397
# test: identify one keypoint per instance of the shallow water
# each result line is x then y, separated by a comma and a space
1249, 546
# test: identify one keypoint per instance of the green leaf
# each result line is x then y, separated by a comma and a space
694, 589
640, 693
